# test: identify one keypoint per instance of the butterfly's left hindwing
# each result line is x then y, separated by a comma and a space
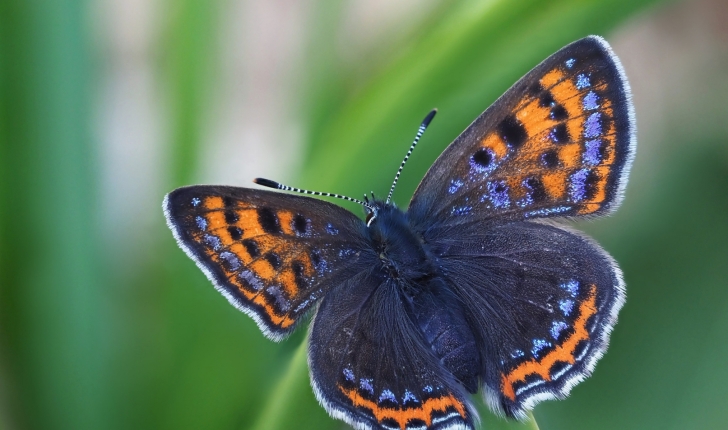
272, 255
542, 301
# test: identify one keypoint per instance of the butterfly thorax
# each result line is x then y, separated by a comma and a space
401, 250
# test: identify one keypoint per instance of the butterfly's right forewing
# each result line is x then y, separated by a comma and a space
273, 255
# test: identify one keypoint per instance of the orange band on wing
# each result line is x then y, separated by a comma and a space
563, 352
403, 415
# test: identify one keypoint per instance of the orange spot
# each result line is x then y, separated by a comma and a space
567, 95
403, 415
285, 219
213, 203
288, 280
242, 253
563, 352
217, 223
262, 269
495, 144
570, 155
248, 222
554, 184
549, 79
535, 118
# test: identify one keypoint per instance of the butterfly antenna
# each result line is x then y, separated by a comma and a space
277, 185
420, 131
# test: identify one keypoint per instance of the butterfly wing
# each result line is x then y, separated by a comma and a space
542, 302
272, 255
370, 367
558, 143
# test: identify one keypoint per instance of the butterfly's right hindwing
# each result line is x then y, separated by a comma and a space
272, 255
371, 367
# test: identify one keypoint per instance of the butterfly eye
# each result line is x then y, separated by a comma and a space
370, 218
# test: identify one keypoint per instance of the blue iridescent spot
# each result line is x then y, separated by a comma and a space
566, 306
196, 202
570, 63
213, 242
577, 185
498, 194
330, 229
517, 353
231, 259
251, 279
366, 385
455, 185
387, 395
582, 81
427, 389
349, 375
593, 126
557, 327
409, 397
277, 294
461, 210
547, 211
592, 155
538, 345
201, 223
590, 101
572, 287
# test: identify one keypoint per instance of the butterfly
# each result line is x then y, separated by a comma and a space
473, 287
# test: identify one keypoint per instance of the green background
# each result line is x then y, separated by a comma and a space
90, 339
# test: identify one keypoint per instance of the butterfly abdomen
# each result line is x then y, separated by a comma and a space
444, 328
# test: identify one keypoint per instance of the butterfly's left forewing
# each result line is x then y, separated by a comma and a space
272, 255
558, 143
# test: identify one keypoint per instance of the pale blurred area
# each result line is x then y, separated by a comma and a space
676, 58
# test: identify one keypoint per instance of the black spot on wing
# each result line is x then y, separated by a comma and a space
512, 131
231, 217
268, 220
536, 188
273, 259
299, 275
252, 247
482, 157
550, 159
236, 233
559, 113
300, 224
560, 134
546, 100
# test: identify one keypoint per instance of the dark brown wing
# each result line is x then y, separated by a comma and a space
558, 143
273, 255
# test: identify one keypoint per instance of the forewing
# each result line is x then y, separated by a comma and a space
370, 368
272, 255
558, 143
542, 302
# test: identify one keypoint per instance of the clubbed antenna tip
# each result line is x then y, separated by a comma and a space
267, 183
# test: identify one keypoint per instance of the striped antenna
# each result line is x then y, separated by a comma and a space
420, 131
277, 185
